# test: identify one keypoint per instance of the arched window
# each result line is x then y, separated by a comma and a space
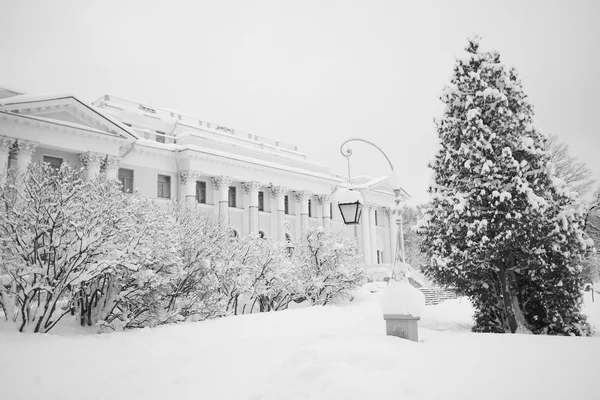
262, 235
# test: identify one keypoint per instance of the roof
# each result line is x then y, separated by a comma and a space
9, 104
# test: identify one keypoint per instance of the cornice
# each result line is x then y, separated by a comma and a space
56, 126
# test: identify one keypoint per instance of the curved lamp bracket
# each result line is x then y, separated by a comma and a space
348, 151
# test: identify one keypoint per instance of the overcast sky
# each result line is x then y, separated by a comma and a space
312, 73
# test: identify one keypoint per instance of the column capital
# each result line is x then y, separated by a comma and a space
188, 175
89, 159
221, 181
251, 186
323, 199
25, 147
6, 144
369, 206
278, 190
302, 195
112, 162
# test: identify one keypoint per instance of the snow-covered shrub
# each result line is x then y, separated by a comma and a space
328, 265
134, 294
501, 228
58, 234
266, 277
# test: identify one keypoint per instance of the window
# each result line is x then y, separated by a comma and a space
164, 187
55, 162
286, 204
262, 235
376, 224
261, 201
379, 256
126, 179
160, 137
331, 210
232, 192
309, 208
201, 192
288, 238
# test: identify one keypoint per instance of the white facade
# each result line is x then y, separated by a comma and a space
254, 183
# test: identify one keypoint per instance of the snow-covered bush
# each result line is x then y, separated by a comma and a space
501, 228
134, 295
268, 277
58, 235
328, 265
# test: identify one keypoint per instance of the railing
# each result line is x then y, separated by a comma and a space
194, 122
435, 296
157, 137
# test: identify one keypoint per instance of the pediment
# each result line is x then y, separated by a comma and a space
67, 110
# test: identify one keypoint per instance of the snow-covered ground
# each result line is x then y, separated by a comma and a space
333, 352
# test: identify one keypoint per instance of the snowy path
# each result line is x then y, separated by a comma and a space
316, 353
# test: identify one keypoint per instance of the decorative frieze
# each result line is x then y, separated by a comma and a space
250, 187
221, 181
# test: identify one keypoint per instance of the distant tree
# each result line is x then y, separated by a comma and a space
501, 228
414, 255
574, 172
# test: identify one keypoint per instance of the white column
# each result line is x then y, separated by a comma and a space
91, 163
392, 228
251, 188
325, 204
278, 192
188, 186
389, 251
5, 145
366, 232
373, 229
112, 167
222, 185
302, 197
25, 150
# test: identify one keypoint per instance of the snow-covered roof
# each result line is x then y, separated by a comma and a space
246, 159
18, 102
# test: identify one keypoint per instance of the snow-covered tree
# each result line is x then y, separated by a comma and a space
412, 240
329, 266
501, 228
569, 168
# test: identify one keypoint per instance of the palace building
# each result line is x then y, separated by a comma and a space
254, 183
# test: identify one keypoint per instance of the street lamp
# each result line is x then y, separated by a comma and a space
402, 303
350, 201
350, 205
289, 247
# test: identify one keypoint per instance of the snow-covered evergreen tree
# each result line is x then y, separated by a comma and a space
500, 227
